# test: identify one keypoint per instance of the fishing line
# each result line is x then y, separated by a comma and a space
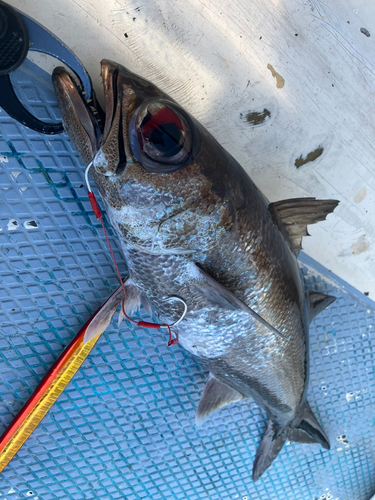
145, 324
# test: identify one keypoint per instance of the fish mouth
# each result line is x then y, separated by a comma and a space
84, 118
98, 136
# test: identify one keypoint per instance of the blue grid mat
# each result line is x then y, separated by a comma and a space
124, 427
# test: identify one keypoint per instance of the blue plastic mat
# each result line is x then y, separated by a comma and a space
124, 427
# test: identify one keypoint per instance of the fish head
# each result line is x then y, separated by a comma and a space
165, 180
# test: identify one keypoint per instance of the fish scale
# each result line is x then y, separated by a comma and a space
193, 225
167, 271
262, 279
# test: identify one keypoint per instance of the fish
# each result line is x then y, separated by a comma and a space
193, 225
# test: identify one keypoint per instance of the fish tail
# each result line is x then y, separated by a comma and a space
270, 446
307, 431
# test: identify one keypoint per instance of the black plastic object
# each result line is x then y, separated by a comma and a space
14, 46
19, 34
14, 39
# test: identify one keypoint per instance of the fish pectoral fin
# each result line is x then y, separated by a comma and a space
294, 215
270, 446
221, 297
309, 430
214, 292
318, 302
216, 394
102, 319
134, 298
146, 304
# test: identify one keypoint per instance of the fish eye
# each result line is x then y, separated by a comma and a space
161, 132
160, 137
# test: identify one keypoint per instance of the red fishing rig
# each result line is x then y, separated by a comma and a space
146, 324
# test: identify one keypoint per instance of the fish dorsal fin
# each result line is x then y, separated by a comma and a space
293, 216
318, 302
216, 394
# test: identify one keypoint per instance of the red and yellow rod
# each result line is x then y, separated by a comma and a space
56, 379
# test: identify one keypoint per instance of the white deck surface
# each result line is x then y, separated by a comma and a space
218, 58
